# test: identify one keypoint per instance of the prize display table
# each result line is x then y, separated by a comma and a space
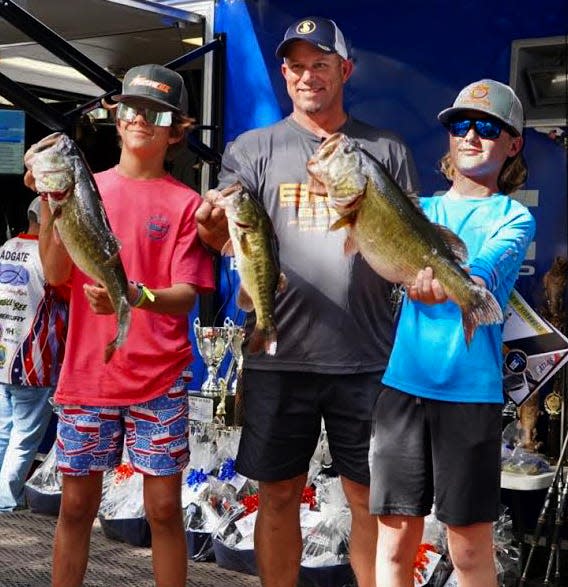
518, 482
526, 495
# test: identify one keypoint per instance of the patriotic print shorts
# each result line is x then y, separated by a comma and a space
155, 433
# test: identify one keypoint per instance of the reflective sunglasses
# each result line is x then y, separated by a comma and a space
129, 113
485, 128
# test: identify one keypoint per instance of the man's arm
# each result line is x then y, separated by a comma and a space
212, 225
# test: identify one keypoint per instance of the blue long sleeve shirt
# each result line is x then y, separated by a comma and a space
430, 358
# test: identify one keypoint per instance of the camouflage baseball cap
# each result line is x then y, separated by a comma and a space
491, 97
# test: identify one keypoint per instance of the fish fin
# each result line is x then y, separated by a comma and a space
245, 245
347, 220
244, 301
484, 310
109, 351
454, 242
282, 283
315, 187
56, 213
228, 249
263, 339
112, 261
123, 317
350, 246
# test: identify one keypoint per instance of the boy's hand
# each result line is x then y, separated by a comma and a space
98, 299
29, 180
427, 289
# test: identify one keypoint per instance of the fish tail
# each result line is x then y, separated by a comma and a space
123, 315
263, 338
484, 309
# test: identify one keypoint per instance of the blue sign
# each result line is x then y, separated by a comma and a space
12, 141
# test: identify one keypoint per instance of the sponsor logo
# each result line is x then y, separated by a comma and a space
140, 80
306, 27
478, 95
479, 91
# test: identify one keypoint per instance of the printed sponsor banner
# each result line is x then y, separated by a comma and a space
533, 350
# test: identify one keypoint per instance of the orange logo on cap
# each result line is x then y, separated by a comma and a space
476, 96
479, 91
140, 80
306, 27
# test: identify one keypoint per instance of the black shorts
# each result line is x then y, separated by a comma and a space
282, 422
426, 451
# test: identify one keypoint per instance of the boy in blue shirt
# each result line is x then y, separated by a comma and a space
437, 423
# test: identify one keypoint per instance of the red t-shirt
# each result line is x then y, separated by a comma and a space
154, 220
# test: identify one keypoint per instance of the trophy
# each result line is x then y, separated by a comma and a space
236, 339
212, 343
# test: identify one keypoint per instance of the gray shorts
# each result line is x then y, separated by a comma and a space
283, 412
426, 452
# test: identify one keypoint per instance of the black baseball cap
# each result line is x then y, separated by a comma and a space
155, 85
321, 32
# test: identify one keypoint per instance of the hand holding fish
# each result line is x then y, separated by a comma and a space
212, 221
426, 289
98, 298
393, 235
59, 170
29, 180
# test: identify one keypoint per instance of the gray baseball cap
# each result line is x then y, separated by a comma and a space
491, 97
33, 210
155, 85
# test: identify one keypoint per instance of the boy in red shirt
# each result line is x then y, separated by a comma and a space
138, 395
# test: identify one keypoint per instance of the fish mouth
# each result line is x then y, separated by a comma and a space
324, 152
232, 189
242, 225
48, 142
329, 146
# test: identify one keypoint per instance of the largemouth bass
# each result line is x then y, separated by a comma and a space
390, 230
61, 172
254, 244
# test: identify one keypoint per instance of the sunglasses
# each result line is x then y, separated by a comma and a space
129, 113
485, 128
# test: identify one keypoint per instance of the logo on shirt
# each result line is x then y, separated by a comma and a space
158, 227
311, 213
14, 274
2, 355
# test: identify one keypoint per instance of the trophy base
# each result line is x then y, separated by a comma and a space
229, 416
212, 393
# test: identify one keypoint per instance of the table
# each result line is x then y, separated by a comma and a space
518, 484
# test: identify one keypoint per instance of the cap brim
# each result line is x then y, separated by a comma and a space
446, 115
145, 100
281, 49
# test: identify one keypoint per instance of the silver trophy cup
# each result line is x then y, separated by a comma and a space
236, 339
212, 344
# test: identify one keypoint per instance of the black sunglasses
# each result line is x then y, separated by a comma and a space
485, 128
